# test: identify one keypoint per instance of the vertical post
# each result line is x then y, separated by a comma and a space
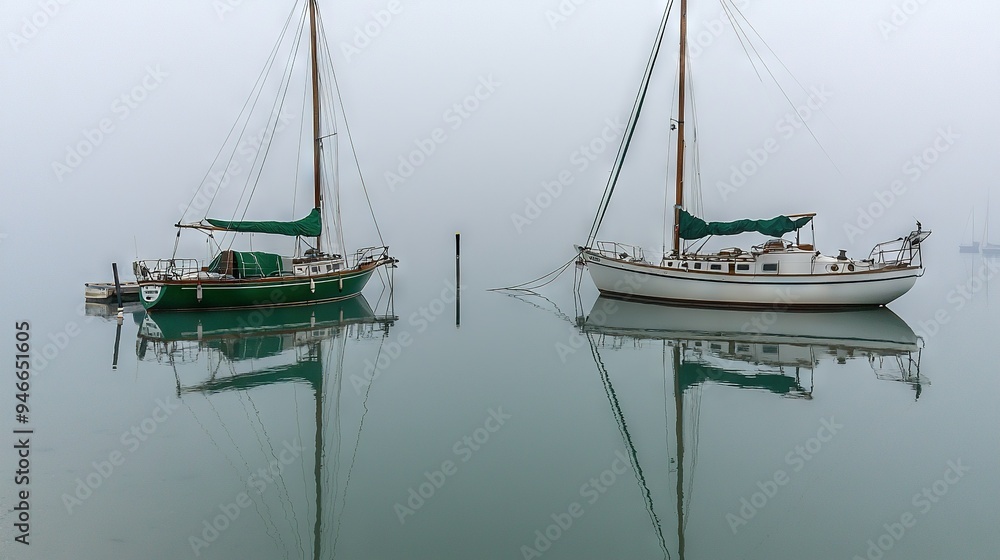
679, 198
118, 291
118, 340
458, 279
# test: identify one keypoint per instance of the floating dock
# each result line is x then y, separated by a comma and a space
105, 291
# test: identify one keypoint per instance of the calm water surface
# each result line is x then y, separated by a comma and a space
533, 429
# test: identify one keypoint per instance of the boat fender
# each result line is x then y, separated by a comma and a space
312, 286
199, 292
341, 281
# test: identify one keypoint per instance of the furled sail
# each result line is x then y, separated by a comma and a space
692, 227
310, 226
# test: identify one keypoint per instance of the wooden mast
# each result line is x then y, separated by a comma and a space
679, 435
679, 198
314, 55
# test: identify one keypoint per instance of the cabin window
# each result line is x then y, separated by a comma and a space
769, 349
742, 267
670, 264
743, 348
315, 269
697, 266
716, 267
329, 267
770, 267
716, 346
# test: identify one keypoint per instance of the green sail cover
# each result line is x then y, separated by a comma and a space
310, 226
696, 228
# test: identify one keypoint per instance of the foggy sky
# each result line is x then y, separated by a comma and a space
896, 82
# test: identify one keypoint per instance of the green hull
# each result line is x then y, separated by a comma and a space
190, 295
236, 323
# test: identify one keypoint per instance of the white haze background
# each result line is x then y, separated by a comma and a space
896, 79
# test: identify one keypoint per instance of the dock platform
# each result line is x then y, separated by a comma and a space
105, 291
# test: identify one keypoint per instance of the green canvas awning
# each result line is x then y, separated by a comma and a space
696, 228
247, 264
310, 226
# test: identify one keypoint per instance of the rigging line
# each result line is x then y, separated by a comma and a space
264, 135
666, 416
524, 285
794, 108
557, 312
670, 150
789, 72
633, 122
737, 29
350, 139
298, 152
330, 169
246, 463
239, 396
294, 521
697, 194
633, 453
330, 77
246, 123
263, 71
330, 158
342, 347
302, 464
350, 469
267, 530
278, 103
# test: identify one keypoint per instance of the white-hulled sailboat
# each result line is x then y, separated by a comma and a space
778, 272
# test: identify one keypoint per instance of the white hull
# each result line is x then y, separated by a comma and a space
874, 329
643, 281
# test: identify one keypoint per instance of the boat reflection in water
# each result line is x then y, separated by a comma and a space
248, 351
768, 350
757, 350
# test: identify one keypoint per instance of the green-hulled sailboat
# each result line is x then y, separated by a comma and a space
240, 279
